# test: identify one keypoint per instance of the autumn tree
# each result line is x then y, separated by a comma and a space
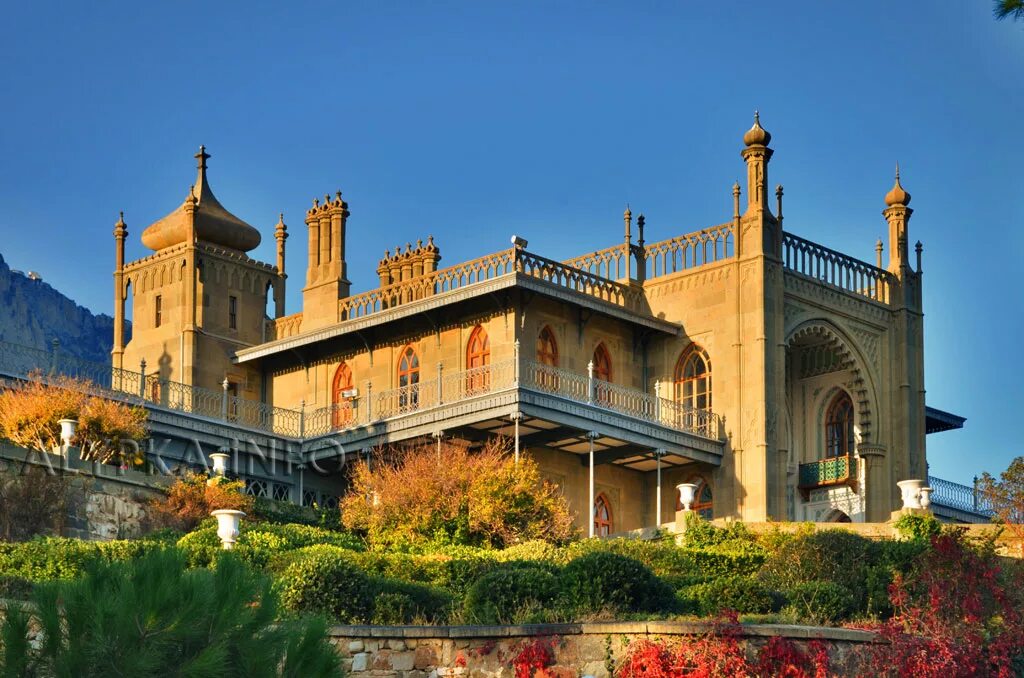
191, 498
108, 431
461, 496
1005, 495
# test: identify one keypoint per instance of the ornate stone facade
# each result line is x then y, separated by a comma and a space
742, 357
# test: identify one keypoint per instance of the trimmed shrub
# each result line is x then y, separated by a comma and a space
398, 602
821, 602
608, 582
833, 555
326, 581
454, 575
511, 594
918, 528
258, 543
745, 595
49, 558
534, 551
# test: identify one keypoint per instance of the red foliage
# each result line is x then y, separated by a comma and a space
954, 617
719, 654
534, 656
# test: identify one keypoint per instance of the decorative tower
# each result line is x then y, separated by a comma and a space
198, 297
280, 235
120, 233
326, 273
898, 215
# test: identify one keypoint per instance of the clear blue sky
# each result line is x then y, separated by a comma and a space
476, 120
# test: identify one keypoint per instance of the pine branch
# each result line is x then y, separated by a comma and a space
1012, 9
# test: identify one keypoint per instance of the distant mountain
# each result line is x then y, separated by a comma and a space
33, 313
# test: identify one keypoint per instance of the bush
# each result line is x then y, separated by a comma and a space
285, 512
153, 617
820, 602
398, 602
918, 528
49, 558
833, 555
259, 543
607, 582
31, 503
511, 594
326, 581
190, 499
745, 595
454, 575
481, 498
533, 551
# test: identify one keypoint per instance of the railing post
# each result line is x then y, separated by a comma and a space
224, 399
657, 400
369, 402
440, 383
590, 382
142, 378
515, 364
302, 418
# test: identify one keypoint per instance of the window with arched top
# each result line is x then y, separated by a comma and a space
341, 397
478, 357
408, 378
692, 381
839, 439
602, 362
704, 499
603, 521
547, 347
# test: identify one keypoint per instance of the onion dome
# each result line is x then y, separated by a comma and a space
757, 135
897, 196
213, 223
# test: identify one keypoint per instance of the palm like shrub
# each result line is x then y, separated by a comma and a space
153, 617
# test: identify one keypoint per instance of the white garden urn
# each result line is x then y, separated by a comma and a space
911, 490
220, 463
227, 526
926, 497
687, 493
68, 428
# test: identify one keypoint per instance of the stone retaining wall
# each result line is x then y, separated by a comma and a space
580, 649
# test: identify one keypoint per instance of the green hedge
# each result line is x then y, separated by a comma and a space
742, 594
602, 582
327, 581
49, 558
515, 593
397, 602
258, 543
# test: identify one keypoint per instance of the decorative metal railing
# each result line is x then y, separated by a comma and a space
836, 269
691, 250
365, 408
960, 497
831, 471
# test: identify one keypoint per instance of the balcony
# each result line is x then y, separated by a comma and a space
827, 472
556, 405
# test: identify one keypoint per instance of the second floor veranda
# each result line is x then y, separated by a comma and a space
545, 404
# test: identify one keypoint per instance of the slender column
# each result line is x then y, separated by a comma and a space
120, 233
591, 435
658, 454
438, 435
515, 424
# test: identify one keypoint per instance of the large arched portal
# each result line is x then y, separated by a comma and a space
830, 404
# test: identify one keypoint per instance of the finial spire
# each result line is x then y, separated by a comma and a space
757, 117
202, 156
897, 170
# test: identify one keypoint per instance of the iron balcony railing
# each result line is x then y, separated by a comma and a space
960, 497
365, 408
825, 472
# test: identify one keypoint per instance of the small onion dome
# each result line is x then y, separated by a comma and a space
757, 135
213, 223
897, 196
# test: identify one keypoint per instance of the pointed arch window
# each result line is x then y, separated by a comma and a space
546, 374
604, 522
342, 402
839, 438
693, 379
602, 362
547, 347
478, 357
408, 379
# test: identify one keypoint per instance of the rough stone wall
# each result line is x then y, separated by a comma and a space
579, 649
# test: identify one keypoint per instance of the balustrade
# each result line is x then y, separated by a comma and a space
836, 269
691, 250
831, 471
961, 497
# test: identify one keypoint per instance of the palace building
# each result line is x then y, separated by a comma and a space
783, 377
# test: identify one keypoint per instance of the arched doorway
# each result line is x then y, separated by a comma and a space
478, 357
342, 413
604, 521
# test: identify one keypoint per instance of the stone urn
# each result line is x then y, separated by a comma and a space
220, 463
687, 493
926, 497
68, 429
228, 521
911, 491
